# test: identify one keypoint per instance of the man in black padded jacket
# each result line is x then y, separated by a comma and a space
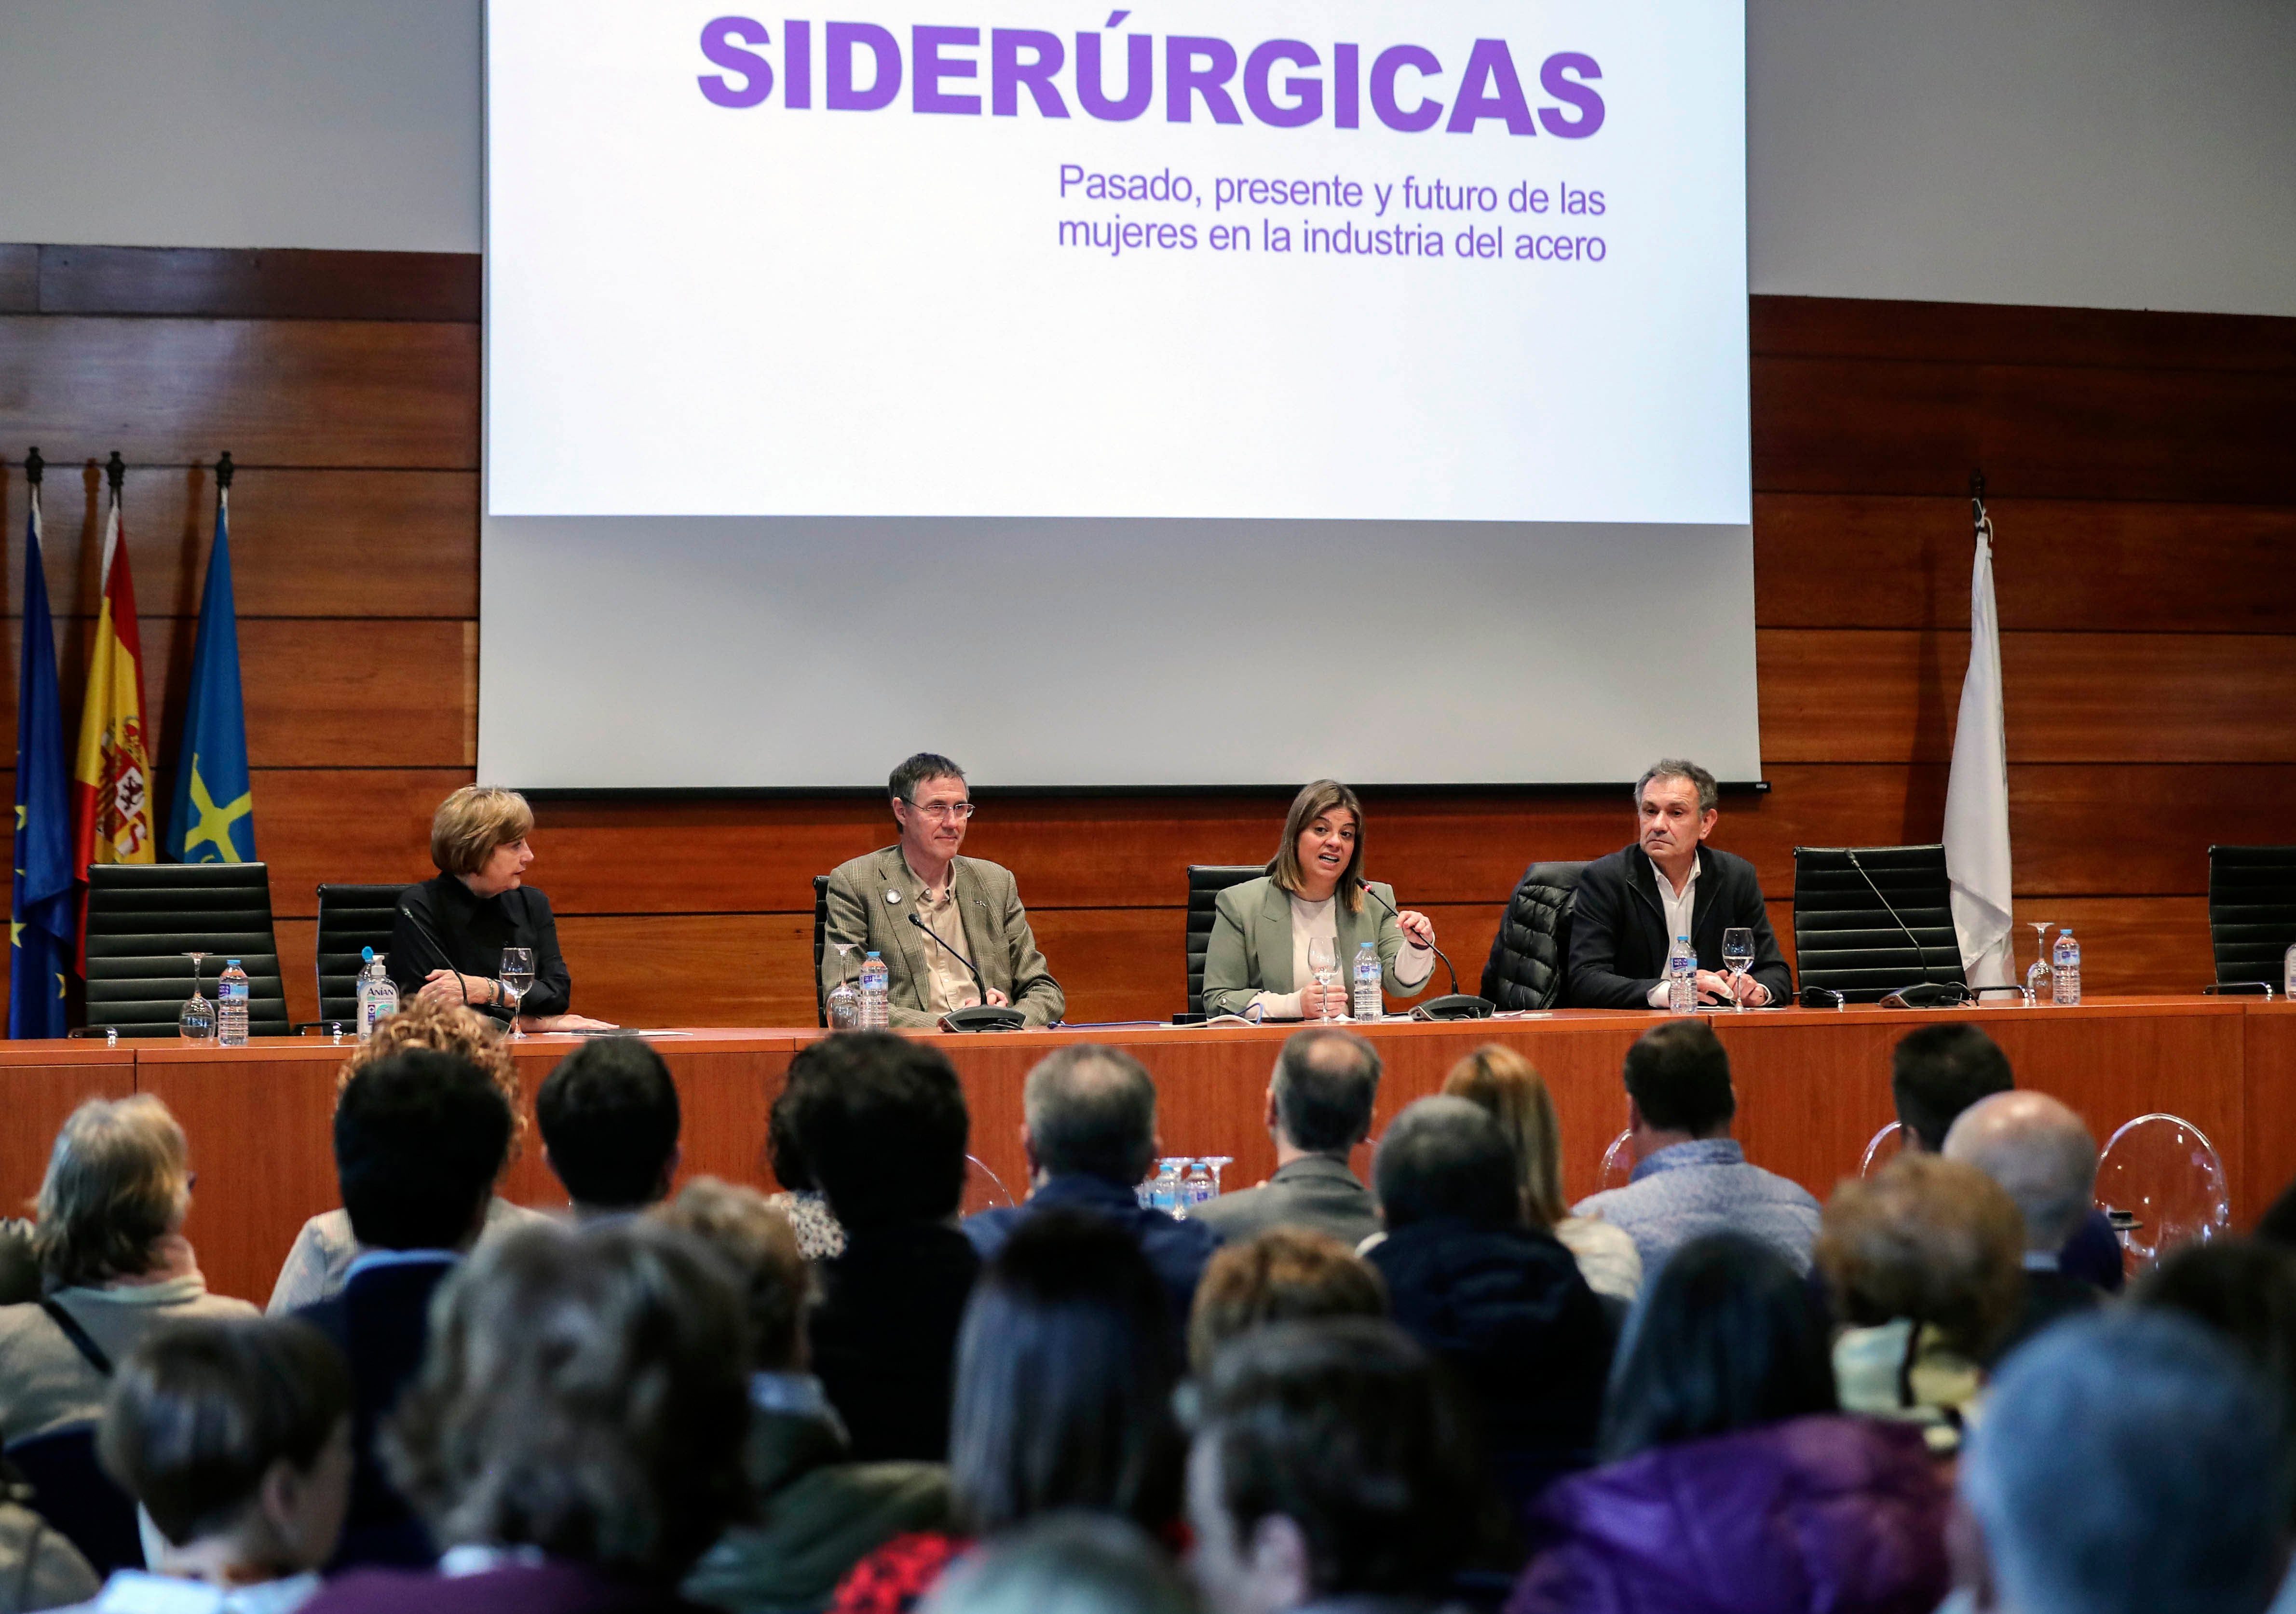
1635, 902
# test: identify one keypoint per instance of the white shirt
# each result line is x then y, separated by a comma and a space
1680, 913
1314, 920
136, 1591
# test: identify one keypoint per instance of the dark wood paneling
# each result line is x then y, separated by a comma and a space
275, 392
1846, 425
303, 543
2011, 333
1886, 696
20, 279
263, 283
1859, 560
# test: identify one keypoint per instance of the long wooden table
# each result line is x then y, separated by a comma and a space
1813, 1088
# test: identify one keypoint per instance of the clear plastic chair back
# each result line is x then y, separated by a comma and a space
2164, 1171
1887, 1145
983, 1189
1617, 1164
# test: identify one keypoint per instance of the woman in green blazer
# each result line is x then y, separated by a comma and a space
1260, 934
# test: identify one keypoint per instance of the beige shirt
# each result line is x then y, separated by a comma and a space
950, 983
45, 1381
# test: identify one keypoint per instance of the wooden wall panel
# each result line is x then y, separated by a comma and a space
270, 284
20, 279
2006, 333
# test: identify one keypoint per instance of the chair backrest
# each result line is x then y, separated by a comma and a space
350, 918
2164, 1171
1530, 956
1206, 881
143, 917
820, 946
1844, 938
2251, 911
81, 1501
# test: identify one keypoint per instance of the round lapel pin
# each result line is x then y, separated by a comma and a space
892, 895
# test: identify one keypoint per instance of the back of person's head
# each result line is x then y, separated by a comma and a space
2243, 1289
2129, 1463
1346, 1432
882, 1124
420, 1138
1678, 1075
1282, 1275
2038, 1151
1728, 1337
1939, 1071
1928, 1238
118, 1181
586, 1394
1446, 1156
756, 1242
610, 1119
1511, 1090
1325, 1082
1065, 1365
202, 1414
1091, 1111
444, 1028
784, 1155
1066, 1563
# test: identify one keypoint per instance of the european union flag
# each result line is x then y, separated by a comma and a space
214, 816
43, 911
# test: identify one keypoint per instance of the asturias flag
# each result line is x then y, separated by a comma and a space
213, 820
42, 915
112, 789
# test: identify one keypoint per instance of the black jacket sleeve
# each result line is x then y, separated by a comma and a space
1595, 925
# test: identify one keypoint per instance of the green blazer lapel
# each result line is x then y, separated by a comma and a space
982, 935
893, 875
1272, 934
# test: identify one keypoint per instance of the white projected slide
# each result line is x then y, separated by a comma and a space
859, 311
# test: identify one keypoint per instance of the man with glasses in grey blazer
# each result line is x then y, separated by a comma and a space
972, 907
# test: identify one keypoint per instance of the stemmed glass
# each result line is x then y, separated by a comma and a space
1738, 956
197, 1023
2037, 977
844, 1002
517, 976
1324, 964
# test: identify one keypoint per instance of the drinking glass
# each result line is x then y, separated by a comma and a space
1217, 1163
518, 976
1738, 954
2036, 979
1324, 964
197, 1023
844, 1001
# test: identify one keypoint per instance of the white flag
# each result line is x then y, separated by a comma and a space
1976, 793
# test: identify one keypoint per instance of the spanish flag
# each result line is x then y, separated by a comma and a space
112, 783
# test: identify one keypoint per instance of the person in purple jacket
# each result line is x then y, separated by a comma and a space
1733, 1484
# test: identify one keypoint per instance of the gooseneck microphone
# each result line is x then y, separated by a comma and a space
1456, 1005
446, 962
1925, 993
984, 1015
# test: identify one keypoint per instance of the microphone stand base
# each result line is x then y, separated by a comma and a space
984, 1017
1457, 1005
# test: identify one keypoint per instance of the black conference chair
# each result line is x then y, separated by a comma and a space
143, 917
820, 946
81, 1501
1206, 881
2251, 913
350, 918
1848, 941
1529, 963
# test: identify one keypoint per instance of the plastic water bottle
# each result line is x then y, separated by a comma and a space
377, 997
2064, 969
1682, 978
230, 1006
876, 994
1368, 1004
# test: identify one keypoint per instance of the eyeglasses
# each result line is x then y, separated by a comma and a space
938, 810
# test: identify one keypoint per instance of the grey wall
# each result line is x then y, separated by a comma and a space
2117, 153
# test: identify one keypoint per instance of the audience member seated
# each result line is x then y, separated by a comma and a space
235, 1438
1939, 1071
1063, 1400
113, 1258
1089, 1131
323, 1250
1333, 1467
2127, 1463
609, 1119
1071, 1563
1282, 1275
1319, 1103
1500, 1302
817, 1512
1922, 1262
420, 1138
1511, 1090
2044, 1158
575, 1440
1690, 1175
800, 1199
1732, 1481
885, 1129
